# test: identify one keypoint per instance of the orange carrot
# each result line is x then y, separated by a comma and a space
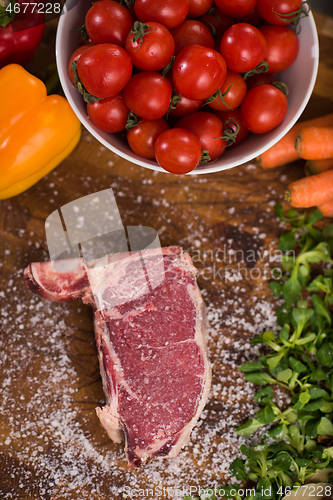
311, 191
313, 167
327, 208
284, 152
315, 143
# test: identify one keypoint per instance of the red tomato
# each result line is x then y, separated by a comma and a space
75, 57
154, 50
209, 128
243, 47
199, 7
236, 8
263, 108
198, 72
20, 36
171, 13
142, 137
148, 95
233, 115
178, 151
282, 47
180, 105
192, 32
104, 69
259, 79
217, 22
109, 114
185, 106
108, 22
234, 86
270, 10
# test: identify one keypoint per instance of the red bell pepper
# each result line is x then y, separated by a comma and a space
21, 30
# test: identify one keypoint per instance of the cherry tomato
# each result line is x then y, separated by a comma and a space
270, 10
154, 50
108, 22
185, 106
282, 47
259, 79
236, 8
263, 108
142, 137
192, 32
178, 151
109, 114
104, 69
171, 13
209, 128
243, 47
180, 105
233, 115
148, 95
75, 57
234, 86
199, 7
198, 72
217, 22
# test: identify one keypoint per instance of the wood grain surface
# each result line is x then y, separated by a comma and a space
51, 443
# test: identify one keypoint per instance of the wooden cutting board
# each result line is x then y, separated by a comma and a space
51, 443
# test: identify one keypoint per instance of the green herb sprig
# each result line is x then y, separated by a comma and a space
296, 440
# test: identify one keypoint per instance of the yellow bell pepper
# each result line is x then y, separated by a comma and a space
37, 131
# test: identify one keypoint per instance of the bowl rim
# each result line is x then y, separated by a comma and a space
153, 165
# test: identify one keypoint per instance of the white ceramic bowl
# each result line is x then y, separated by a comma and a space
300, 79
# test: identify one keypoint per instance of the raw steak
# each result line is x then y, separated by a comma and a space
150, 324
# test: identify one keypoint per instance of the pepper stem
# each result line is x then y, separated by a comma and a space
51, 80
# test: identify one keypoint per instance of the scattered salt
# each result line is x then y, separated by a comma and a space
46, 428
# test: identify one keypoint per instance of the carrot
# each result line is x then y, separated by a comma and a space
327, 208
284, 152
313, 167
315, 143
311, 191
